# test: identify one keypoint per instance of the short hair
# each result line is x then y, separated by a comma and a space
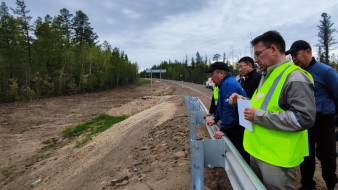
247, 60
270, 38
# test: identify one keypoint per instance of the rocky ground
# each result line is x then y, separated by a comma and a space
149, 150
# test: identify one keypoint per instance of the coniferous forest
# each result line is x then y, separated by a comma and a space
192, 72
61, 55
56, 55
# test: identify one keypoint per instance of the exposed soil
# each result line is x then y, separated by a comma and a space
149, 150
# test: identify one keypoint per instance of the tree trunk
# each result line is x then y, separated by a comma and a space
118, 78
61, 75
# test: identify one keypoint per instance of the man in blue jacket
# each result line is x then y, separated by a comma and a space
323, 131
228, 114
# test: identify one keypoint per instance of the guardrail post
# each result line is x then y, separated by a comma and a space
216, 153
192, 124
197, 165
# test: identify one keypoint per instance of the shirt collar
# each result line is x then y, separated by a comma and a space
271, 68
313, 61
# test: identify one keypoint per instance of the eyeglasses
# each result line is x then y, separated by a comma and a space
241, 66
257, 53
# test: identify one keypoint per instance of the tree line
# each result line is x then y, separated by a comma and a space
195, 71
56, 56
192, 72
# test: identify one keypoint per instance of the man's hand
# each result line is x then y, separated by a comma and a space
206, 115
233, 98
218, 134
210, 122
249, 113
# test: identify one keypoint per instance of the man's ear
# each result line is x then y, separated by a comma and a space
308, 51
274, 49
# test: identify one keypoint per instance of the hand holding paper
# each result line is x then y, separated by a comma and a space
242, 104
233, 98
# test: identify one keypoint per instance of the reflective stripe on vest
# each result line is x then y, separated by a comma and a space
216, 95
280, 148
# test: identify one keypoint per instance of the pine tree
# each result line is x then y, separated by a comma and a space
83, 31
12, 55
65, 19
325, 34
320, 54
24, 19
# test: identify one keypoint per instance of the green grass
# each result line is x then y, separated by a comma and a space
143, 81
48, 141
7, 171
139, 82
90, 128
40, 157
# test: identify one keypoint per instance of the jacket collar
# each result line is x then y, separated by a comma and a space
313, 61
251, 73
273, 67
227, 76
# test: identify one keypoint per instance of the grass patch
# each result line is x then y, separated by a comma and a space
90, 128
48, 141
40, 157
7, 171
49, 145
139, 82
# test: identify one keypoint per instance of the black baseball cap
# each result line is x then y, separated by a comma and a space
298, 45
217, 66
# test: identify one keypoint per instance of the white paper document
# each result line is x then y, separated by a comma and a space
242, 104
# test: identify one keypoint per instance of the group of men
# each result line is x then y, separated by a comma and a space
293, 107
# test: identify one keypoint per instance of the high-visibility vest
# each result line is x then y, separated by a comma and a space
280, 148
216, 94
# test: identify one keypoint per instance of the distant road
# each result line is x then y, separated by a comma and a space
196, 87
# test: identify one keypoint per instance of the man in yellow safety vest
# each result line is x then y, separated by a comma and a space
213, 104
282, 109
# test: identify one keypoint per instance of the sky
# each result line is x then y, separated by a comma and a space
151, 31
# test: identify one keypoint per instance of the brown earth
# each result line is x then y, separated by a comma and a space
149, 150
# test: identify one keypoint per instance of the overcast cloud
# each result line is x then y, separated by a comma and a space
151, 31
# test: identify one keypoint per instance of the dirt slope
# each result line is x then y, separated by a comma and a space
89, 167
149, 150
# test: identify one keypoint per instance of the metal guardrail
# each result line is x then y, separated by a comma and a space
213, 152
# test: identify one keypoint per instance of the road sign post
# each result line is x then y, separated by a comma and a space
151, 71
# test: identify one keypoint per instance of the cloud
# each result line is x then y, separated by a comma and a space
221, 27
130, 13
151, 31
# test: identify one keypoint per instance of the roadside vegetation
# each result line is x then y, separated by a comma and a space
90, 128
139, 82
56, 55
83, 132
8, 170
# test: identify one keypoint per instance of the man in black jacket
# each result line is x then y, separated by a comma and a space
251, 78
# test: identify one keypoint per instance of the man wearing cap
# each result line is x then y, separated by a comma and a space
282, 108
225, 112
323, 131
251, 77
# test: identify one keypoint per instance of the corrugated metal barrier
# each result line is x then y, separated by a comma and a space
213, 152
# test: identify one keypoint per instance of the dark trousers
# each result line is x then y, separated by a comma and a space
322, 134
236, 134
